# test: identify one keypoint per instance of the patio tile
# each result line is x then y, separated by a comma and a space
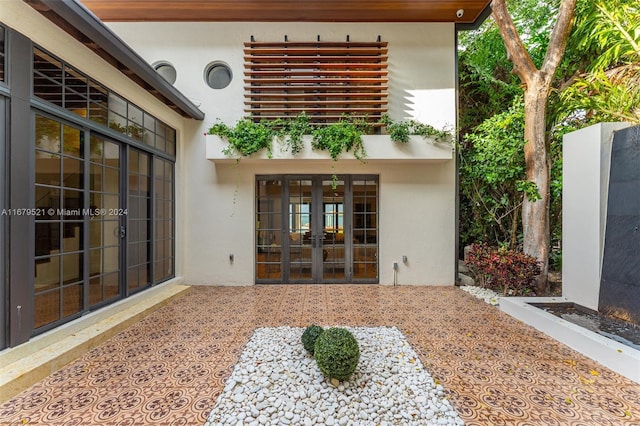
170, 367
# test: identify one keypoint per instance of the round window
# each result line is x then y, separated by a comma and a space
166, 71
218, 75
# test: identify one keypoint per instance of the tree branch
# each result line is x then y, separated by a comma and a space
523, 66
558, 40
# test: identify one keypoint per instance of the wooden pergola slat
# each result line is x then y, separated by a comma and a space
326, 80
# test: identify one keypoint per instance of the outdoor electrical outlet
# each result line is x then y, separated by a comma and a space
395, 266
404, 259
231, 258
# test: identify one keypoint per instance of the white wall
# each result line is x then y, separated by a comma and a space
416, 220
585, 170
417, 200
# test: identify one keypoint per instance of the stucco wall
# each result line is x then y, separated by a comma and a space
417, 201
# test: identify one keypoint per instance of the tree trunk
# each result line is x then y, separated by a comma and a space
535, 214
513, 241
537, 84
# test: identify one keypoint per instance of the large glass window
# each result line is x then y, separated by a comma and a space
63, 85
47, 77
83, 221
98, 216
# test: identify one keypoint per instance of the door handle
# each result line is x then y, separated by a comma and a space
123, 232
313, 241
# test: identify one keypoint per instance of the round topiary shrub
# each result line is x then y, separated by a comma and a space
337, 353
310, 335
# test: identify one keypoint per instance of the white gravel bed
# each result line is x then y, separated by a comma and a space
485, 294
276, 382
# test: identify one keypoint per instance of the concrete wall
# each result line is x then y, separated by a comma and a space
585, 170
417, 201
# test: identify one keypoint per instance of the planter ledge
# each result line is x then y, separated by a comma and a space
378, 148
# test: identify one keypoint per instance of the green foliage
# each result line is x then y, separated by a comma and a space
609, 31
509, 271
555, 260
399, 131
486, 80
246, 137
291, 131
342, 136
598, 80
492, 172
529, 189
309, 337
602, 81
337, 353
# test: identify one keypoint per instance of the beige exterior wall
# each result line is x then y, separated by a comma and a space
417, 200
24, 19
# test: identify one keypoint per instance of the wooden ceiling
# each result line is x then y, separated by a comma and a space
289, 10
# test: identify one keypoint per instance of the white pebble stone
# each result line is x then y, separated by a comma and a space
277, 382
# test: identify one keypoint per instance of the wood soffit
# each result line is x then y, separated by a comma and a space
288, 10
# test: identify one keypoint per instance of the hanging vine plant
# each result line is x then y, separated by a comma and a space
291, 131
399, 131
248, 137
343, 136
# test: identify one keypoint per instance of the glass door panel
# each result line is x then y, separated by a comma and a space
302, 236
365, 229
59, 231
269, 230
333, 231
104, 226
139, 221
316, 229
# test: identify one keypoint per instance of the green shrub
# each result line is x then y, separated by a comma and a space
309, 337
337, 353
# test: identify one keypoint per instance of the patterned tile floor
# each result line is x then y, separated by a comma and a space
169, 368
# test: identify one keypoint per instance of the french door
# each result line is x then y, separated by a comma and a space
93, 219
78, 225
316, 229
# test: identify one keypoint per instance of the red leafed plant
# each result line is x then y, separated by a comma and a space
509, 271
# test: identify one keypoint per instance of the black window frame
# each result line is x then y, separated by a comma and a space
129, 121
